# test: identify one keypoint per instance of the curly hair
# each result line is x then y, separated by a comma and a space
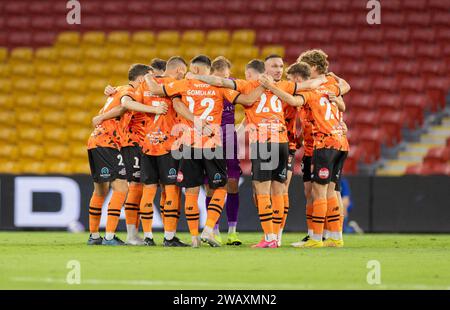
316, 58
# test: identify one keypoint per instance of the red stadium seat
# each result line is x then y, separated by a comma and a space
414, 169
370, 35
443, 35
116, 21
215, 22
238, 21
412, 84
437, 88
264, 21
391, 125
316, 20
367, 120
346, 35
270, 37
424, 35
237, 6
319, 36
448, 142
402, 51
20, 38
370, 144
287, 6
386, 84
92, 7
439, 4
388, 103
417, 5
14, 8
43, 23
396, 19
437, 155
140, 22
354, 68
338, 6
414, 105
261, 6
360, 102
165, 22
392, 5
190, 22
139, 6
406, 68
43, 38
421, 19
37, 7
291, 22
397, 34
376, 51
312, 6
380, 67
351, 163
341, 19
18, 22
362, 84
428, 51
162, 7
92, 22
116, 7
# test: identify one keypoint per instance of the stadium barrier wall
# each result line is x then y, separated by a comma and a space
381, 204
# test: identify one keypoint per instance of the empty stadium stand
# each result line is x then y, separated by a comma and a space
52, 74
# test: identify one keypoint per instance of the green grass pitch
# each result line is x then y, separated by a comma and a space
38, 260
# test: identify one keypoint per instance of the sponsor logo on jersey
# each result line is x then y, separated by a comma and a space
217, 178
172, 173
324, 173
104, 172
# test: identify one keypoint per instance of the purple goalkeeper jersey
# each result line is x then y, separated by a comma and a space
228, 113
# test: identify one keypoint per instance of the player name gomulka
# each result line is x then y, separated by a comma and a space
200, 92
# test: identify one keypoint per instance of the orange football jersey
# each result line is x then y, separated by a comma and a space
326, 127
307, 129
109, 132
205, 102
265, 117
158, 138
291, 114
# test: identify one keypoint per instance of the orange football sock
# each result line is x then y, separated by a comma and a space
132, 203
114, 207
333, 215
278, 212
265, 213
215, 207
95, 212
162, 203
286, 209
309, 213
318, 217
171, 208
146, 208
192, 213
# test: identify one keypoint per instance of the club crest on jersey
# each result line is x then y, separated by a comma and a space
180, 176
104, 172
172, 173
324, 173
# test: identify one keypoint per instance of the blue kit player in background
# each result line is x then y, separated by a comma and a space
350, 227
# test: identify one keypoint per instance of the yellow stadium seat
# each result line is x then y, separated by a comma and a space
68, 38
78, 149
245, 53
5, 70
24, 85
117, 38
49, 85
218, 37
80, 134
21, 54
214, 51
168, 37
74, 85
5, 86
144, 38
3, 54
46, 54
72, 69
6, 102
143, 55
97, 85
27, 133
190, 52
51, 102
71, 54
119, 69
95, 54
243, 37
75, 102
33, 167
272, 49
93, 38
97, 69
96, 101
8, 134
165, 52
80, 166
56, 150
59, 166
195, 37
119, 54
55, 133
9, 151
10, 166
46, 69
28, 116
79, 117
28, 102
22, 69
56, 118
8, 118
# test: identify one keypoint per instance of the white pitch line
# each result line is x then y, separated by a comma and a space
274, 286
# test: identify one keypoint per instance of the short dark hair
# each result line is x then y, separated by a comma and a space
272, 56
202, 59
300, 68
220, 63
158, 64
174, 60
137, 70
257, 65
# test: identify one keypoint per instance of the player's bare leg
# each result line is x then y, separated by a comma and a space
95, 212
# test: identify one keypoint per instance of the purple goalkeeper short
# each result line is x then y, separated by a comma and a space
233, 166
